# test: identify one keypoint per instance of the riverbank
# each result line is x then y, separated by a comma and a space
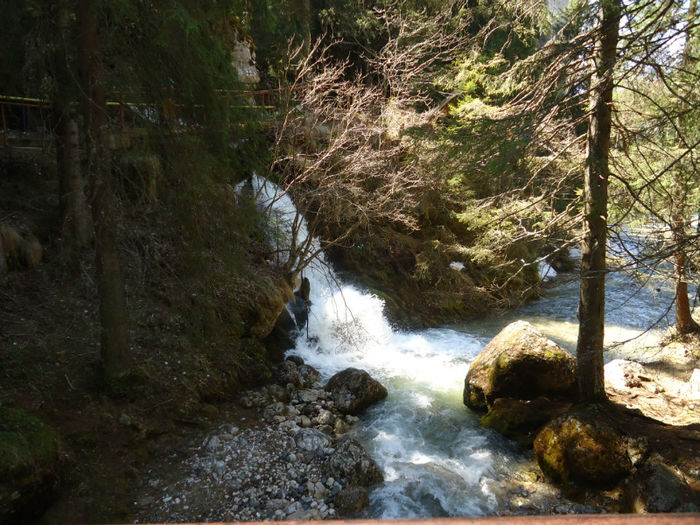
266, 456
267, 466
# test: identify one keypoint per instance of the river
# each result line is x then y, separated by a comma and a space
436, 459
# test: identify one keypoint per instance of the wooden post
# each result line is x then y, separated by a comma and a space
121, 110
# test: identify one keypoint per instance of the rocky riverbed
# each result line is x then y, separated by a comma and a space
293, 456
298, 461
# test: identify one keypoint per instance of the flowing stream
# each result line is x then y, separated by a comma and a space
436, 459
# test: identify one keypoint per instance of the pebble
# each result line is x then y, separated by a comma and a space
272, 472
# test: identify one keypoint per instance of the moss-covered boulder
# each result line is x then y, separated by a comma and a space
520, 419
29, 464
580, 449
519, 363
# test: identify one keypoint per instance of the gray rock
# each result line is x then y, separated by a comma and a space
656, 487
308, 376
308, 396
351, 462
311, 440
325, 417
351, 500
304, 515
353, 390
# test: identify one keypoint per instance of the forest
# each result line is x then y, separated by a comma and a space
256, 256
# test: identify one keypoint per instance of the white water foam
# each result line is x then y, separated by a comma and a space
436, 459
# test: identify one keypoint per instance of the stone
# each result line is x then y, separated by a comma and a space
351, 462
308, 376
580, 449
325, 417
353, 390
311, 440
308, 396
275, 409
657, 487
286, 372
297, 360
520, 363
351, 500
340, 427
520, 419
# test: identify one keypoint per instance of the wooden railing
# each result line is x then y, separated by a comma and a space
568, 519
120, 103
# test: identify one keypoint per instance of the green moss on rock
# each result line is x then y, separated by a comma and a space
519, 363
519, 419
580, 449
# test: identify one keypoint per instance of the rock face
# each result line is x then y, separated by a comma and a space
354, 390
350, 462
29, 452
578, 448
519, 363
656, 487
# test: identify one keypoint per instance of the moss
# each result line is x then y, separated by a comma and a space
29, 463
520, 419
26, 443
580, 449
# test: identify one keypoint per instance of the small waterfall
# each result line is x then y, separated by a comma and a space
436, 459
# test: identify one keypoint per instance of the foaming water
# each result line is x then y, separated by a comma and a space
436, 459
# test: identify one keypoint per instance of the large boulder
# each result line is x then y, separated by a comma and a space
354, 390
29, 466
519, 363
656, 487
580, 449
351, 463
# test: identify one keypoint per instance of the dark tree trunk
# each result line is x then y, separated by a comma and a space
589, 349
3, 262
76, 224
114, 349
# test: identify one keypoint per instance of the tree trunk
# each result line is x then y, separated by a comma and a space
114, 349
589, 349
684, 320
303, 15
679, 209
76, 225
3, 261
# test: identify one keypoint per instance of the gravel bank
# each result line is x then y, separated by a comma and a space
298, 462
